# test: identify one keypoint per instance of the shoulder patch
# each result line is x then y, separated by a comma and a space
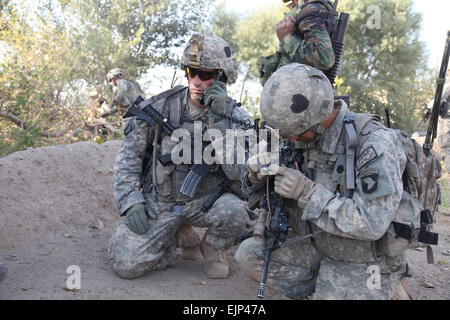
369, 183
365, 157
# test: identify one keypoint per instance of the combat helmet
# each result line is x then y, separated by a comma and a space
209, 52
296, 98
116, 72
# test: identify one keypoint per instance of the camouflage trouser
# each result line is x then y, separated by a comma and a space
134, 255
340, 280
292, 269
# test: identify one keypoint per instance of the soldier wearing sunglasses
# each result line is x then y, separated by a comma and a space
152, 230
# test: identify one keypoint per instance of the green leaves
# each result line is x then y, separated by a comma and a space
53, 54
384, 64
21, 101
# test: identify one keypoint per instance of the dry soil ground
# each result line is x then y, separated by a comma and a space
57, 210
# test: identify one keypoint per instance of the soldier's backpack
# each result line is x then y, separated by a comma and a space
412, 225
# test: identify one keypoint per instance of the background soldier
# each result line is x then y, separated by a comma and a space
345, 223
147, 240
124, 91
310, 44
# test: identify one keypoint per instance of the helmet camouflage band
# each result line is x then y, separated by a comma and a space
296, 98
209, 52
114, 73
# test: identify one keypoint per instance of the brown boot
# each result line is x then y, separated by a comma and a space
215, 265
189, 241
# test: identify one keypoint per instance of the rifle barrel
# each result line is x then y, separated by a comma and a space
432, 125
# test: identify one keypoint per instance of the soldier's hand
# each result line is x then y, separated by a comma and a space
285, 27
291, 183
216, 97
255, 166
136, 219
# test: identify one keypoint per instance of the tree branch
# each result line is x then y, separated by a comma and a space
22, 124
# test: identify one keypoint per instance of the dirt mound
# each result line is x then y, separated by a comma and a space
57, 210
54, 189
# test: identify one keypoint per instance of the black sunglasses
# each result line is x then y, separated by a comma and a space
203, 75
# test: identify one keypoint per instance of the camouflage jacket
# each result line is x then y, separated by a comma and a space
131, 186
312, 44
379, 165
125, 93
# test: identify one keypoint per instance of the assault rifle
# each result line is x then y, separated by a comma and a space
434, 116
147, 113
276, 232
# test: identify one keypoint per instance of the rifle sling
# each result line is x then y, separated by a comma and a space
351, 142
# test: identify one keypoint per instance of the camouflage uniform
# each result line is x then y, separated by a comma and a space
125, 92
311, 45
335, 263
135, 254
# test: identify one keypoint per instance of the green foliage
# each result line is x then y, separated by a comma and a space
131, 34
251, 36
53, 52
385, 67
23, 139
445, 196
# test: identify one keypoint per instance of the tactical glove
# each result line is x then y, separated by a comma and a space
292, 184
216, 97
254, 166
136, 219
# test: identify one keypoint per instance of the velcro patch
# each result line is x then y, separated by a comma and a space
365, 157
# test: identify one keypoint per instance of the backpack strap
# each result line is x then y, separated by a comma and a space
351, 142
175, 110
166, 94
354, 123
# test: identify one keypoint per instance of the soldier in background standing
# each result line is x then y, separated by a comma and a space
310, 44
125, 91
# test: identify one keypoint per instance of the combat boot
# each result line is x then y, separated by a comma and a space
189, 241
215, 265
3, 270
